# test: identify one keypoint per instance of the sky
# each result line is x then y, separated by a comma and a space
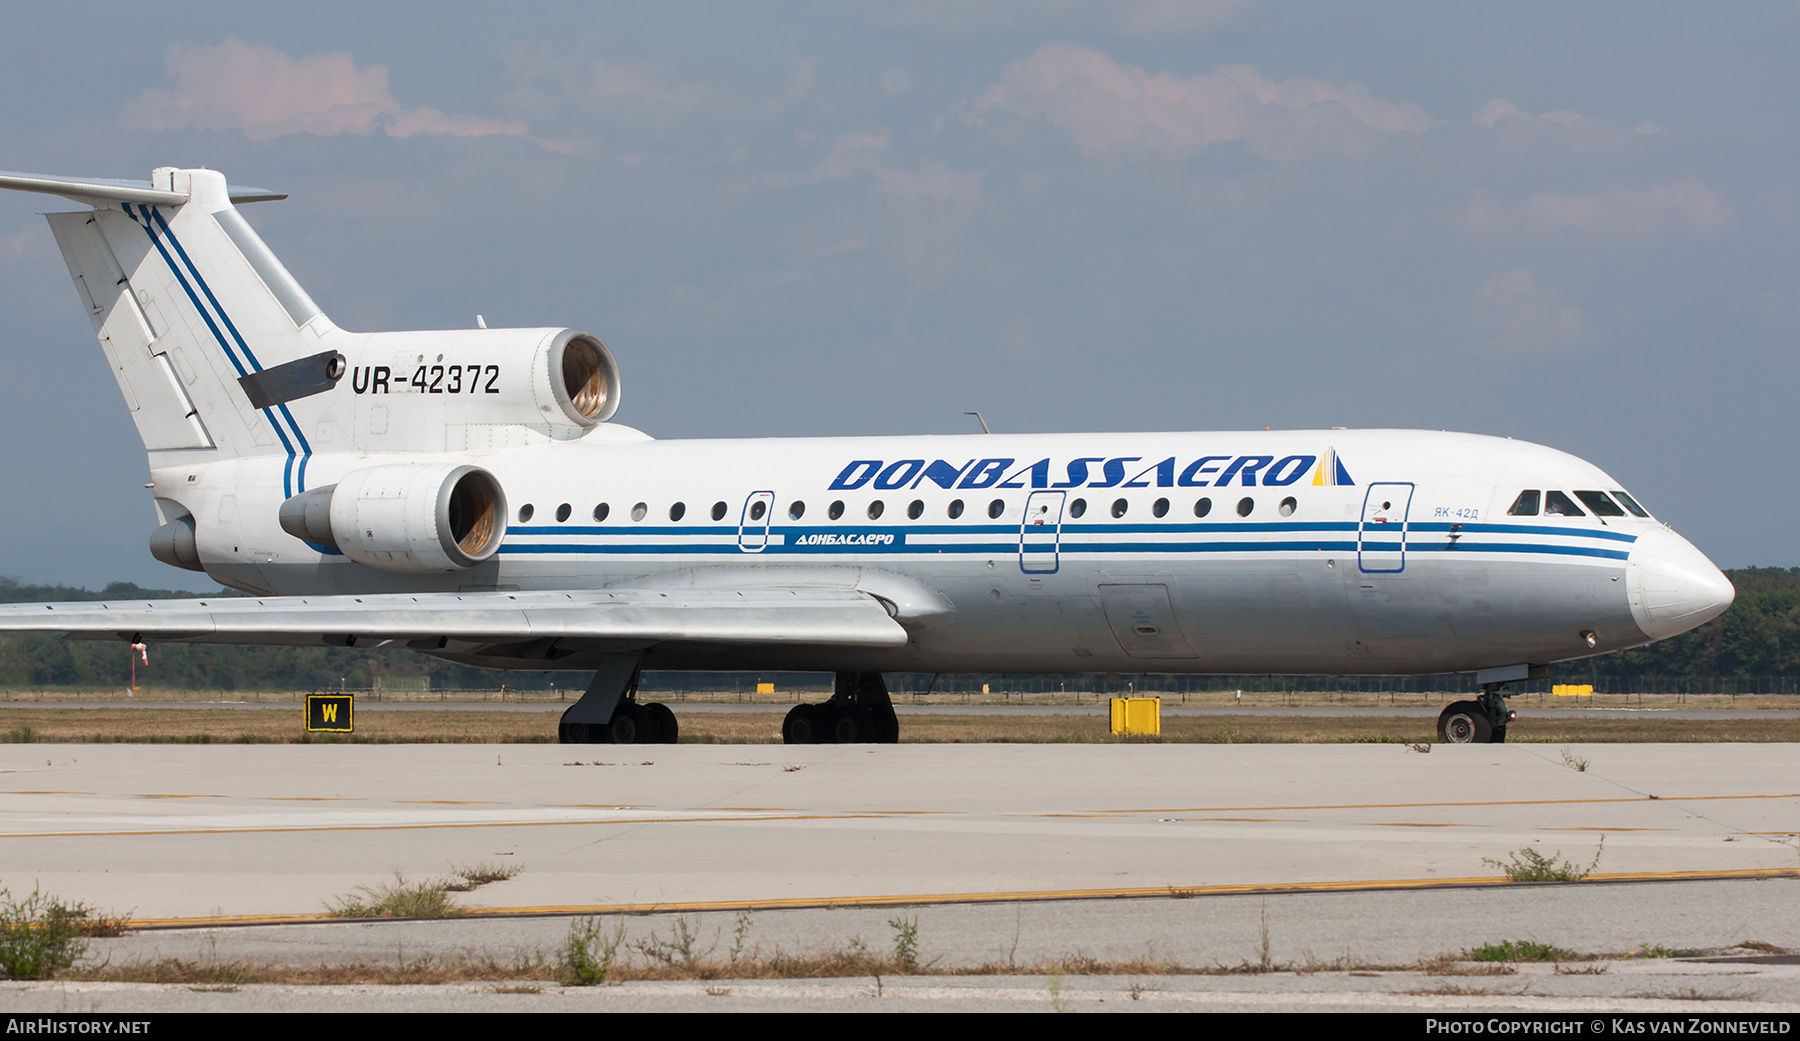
1573, 224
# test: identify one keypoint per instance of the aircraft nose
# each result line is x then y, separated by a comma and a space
1673, 586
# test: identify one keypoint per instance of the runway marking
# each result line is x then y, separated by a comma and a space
1415, 805
1020, 896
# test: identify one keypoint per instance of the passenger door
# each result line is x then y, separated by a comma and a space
1381, 537
1040, 533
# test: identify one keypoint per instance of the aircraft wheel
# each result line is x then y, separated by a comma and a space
849, 726
1463, 723
1497, 736
801, 727
667, 729
627, 726
580, 734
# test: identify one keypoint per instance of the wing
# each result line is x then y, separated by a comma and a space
427, 621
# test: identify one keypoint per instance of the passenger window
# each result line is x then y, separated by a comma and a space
916, 510
1526, 505
562, 512
1119, 507
996, 508
718, 511
875, 509
1630, 503
1202, 507
678, 511
956, 508
796, 510
835, 510
601, 511
757, 509
1556, 504
525, 512
638, 511
1288, 506
1161, 508
1078, 507
1600, 504
1245, 505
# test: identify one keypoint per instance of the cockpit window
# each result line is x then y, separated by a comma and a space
1600, 504
1630, 504
1556, 504
1526, 505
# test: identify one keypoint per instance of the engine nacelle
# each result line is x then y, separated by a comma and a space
562, 381
413, 518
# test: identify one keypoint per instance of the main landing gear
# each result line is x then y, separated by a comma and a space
1479, 722
859, 712
609, 713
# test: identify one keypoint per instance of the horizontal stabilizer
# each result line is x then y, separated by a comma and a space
750, 616
89, 189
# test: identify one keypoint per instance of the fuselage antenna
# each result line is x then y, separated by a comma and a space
978, 419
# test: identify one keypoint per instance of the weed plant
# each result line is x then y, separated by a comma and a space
1520, 950
1528, 865
41, 935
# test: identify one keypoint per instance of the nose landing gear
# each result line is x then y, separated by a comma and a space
1479, 722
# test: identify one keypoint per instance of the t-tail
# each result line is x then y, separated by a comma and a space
222, 356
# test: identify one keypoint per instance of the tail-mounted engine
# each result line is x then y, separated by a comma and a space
425, 385
413, 518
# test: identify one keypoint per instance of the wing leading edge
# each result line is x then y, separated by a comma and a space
832, 617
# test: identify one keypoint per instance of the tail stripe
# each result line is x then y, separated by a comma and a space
151, 221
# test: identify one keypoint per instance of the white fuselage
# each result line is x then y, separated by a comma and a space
1337, 552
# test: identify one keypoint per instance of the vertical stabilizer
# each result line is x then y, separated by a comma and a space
214, 344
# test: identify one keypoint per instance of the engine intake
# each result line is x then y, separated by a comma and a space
418, 519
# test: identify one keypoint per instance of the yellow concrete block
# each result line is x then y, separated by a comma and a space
765, 688
1137, 716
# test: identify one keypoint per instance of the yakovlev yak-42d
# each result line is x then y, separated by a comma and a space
465, 494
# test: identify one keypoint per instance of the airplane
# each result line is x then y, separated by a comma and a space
465, 493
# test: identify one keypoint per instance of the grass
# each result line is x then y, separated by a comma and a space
1520, 950
1528, 865
598, 951
427, 898
473, 725
41, 935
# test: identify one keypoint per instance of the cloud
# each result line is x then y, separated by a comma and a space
1500, 108
1139, 19
581, 87
1675, 207
861, 153
263, 92
1102, 103
1511, 314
